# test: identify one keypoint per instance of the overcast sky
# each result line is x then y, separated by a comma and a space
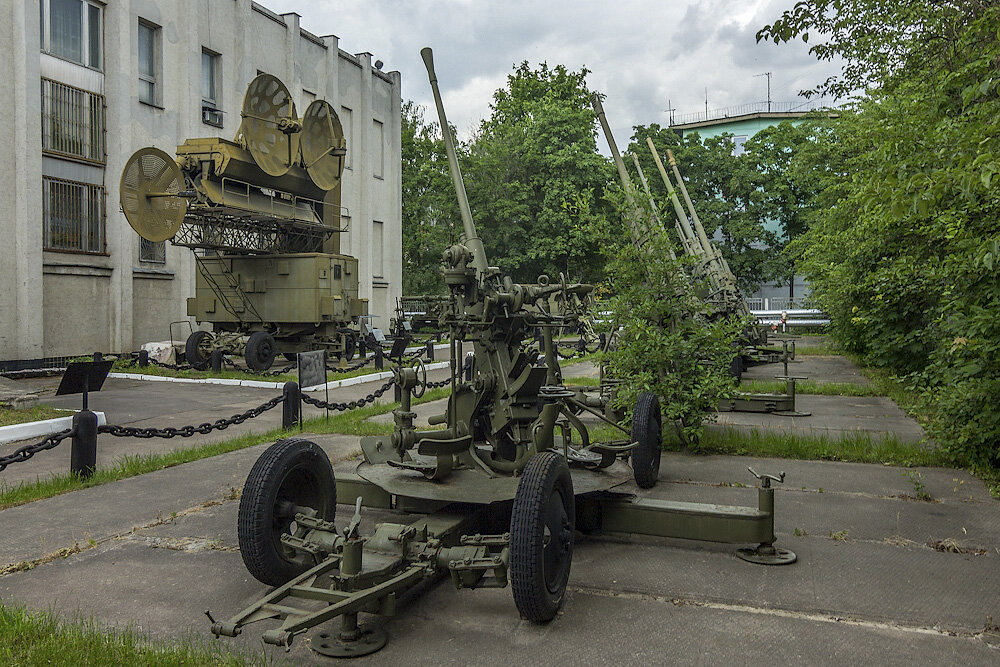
641, 54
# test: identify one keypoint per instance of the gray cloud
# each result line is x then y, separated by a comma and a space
641, 54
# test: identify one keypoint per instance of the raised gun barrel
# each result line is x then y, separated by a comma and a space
472, 240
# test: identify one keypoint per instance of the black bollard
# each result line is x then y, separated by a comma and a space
362, 348
217, 360
83, 456
98, 356
143, 358
290, 407
603, 338
467, 366
379, 359
430, 350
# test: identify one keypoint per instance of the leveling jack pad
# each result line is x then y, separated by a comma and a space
331, 644
767, 555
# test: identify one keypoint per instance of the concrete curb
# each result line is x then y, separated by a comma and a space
260, 384
40, 429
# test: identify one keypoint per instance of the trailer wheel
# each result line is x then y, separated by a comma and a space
198, 349
260, 351
292, 475
541, 537
350, 346
647, 432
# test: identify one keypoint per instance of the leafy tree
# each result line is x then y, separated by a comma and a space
536, 180
901, 245
430, 211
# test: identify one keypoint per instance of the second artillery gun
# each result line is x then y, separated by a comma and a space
502, 485
262, 215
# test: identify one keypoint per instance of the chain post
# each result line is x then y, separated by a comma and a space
379, 358
362, 348
603, 338
216, 360
143, 358
430, 350
291, 406
83, 456
98, 356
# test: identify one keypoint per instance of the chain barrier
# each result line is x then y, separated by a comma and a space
26, 452
361, 364
350, 405
188, 431
440, 383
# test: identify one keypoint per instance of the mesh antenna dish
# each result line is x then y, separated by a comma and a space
270, 127
323, 145
149, 189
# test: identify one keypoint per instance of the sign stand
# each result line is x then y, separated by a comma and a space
82, 377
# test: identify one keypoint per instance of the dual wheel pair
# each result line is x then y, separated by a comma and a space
259, 352
295, 475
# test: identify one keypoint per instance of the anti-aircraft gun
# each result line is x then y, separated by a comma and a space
505, 481
711, 269
262, 215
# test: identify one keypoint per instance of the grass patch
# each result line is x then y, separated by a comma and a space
40, 638
351, 422
812, 387
854, 447
9, 416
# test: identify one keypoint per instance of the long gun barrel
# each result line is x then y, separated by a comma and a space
649, 194
640, 232
472, 240
688, 239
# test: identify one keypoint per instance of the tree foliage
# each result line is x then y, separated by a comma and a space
430, 212
902, 241
535, 179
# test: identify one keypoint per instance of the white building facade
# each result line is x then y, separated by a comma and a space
89, 83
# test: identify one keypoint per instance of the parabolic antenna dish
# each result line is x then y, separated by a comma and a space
270, 126
323, 145
149, 189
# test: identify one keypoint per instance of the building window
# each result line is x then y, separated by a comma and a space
347, 122
152, 251
71, 29
72, 122
378, 265
72, 215
149, 63
738, 143
210, 98
379, 148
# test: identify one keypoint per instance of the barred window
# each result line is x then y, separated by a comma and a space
72, 215
72, 122
152, 251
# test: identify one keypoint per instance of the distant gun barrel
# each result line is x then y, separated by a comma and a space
684, 229
649, 194
472, 240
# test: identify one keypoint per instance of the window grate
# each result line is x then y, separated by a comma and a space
72, 122
152, 251
72, 215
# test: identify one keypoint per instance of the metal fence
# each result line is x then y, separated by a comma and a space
73, 122
72, 215
745, 109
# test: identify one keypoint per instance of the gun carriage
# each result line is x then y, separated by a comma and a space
262, 215
505, 480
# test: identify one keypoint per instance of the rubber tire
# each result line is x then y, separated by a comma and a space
350, 346
647, 431
257, 524
260, 351
191, 352
545, 475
